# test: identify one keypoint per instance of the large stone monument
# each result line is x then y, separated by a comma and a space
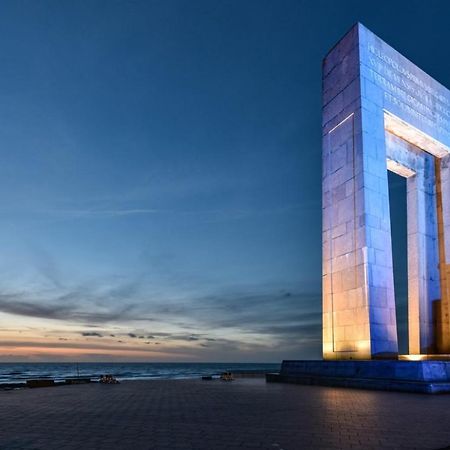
380, 113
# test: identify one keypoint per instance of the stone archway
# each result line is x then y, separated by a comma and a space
381, 112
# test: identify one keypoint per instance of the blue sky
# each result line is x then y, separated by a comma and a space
160, 176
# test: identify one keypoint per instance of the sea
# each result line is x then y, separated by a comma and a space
20, 372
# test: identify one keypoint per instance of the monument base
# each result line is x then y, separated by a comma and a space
428, 376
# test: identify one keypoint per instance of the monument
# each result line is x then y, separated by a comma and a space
381, 113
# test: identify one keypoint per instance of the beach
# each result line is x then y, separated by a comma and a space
247, 413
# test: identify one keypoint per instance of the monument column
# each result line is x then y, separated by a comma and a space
443, 213
423, 255
358, 296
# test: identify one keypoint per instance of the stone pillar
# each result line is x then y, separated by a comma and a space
418, 167
443, 214
377, 226
358, 295
423, 256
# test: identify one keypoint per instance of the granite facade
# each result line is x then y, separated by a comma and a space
380, 113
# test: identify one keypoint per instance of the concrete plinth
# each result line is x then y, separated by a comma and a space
429, 377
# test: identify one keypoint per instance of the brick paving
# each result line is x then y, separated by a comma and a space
197, 415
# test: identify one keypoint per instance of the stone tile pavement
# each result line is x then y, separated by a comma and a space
207, 415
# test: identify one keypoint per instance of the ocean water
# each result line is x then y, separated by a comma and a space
19, 372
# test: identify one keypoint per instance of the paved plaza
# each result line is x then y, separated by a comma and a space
195, 414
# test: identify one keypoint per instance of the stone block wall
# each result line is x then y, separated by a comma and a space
381, 112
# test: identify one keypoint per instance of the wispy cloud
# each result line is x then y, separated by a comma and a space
209, 215
67, 308
99, 213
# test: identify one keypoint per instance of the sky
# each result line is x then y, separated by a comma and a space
160, 176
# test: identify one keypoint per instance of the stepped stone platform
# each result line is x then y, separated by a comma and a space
428, 376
